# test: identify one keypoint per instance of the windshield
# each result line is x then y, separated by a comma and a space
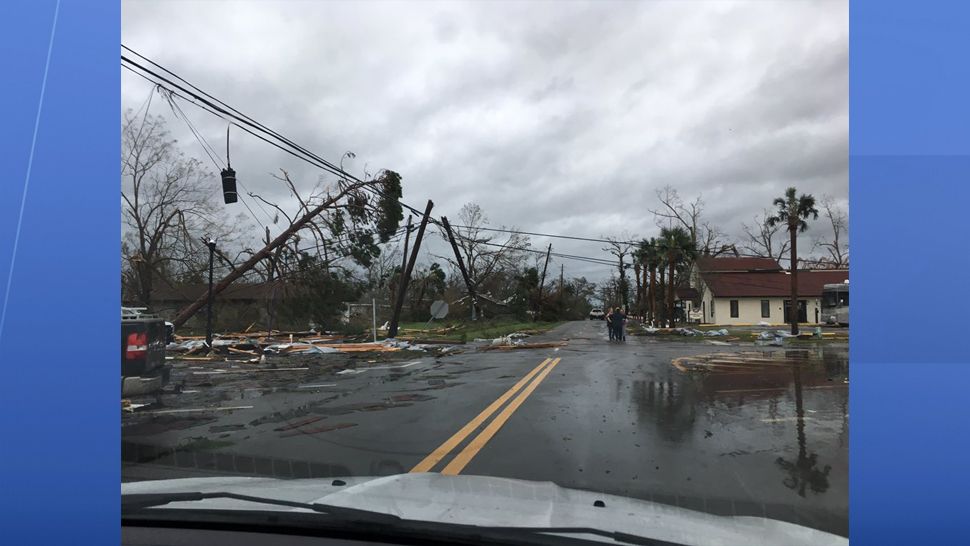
835, 298
482, 240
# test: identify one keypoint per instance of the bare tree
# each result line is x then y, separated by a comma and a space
486, 254
764, 239
711, 241
674, 211
836, 247
165, 206
621, 247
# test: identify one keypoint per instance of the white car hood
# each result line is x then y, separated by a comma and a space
488, 501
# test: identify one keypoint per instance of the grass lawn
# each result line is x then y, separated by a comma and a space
468, 331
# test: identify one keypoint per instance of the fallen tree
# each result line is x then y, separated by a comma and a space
373, 201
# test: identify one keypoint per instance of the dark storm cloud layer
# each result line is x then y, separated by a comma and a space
562, 117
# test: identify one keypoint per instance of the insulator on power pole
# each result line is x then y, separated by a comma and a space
229, 185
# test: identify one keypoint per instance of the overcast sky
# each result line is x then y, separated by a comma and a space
560, 117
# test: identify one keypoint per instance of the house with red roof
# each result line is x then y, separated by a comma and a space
734, 290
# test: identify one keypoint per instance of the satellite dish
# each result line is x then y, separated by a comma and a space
439, 309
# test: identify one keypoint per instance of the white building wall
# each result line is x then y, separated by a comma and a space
749, 310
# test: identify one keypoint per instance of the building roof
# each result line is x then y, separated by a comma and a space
771, 283
688, 293
713, 264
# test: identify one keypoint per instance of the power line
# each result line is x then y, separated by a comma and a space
180, 114
588, 259
572, 237
239, 118
211, 152
235, 117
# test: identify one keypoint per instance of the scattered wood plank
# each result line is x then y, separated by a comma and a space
431, 341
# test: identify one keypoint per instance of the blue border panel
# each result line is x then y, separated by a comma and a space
909, 197
59, 391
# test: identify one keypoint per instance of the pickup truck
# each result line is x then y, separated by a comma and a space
143, 340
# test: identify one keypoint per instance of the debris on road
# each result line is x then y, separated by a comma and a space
774, 338
129, 406
297, 348
197, 410
523, 345
256, 370
685, 332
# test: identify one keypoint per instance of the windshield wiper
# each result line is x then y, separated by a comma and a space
139, 501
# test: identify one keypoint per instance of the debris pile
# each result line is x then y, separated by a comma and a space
259, 344
686, 332
774, 338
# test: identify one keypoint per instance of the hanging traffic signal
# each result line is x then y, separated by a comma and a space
229, 185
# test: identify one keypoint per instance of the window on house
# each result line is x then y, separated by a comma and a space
734, 308
765, 308
712, 309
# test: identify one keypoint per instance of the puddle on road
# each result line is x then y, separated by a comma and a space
320, 408
781, 411
159, 424
751, 371
226, 428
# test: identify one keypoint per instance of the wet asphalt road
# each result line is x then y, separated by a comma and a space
747, 431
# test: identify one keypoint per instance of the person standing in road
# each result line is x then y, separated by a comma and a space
609, 323
618, 318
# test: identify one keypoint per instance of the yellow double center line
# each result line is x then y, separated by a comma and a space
456, 465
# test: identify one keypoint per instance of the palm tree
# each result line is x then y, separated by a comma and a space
638, 294
792, 211
677, 248
650, 257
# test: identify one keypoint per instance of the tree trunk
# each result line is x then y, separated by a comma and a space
653, 295
661, 307
793, 313
637, 297
671, 292
145, 284
187, 312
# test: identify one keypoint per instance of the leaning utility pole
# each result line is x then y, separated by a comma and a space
187, 313
542, 281
407, 237
461, 264
404, 257
561, 269
406, 274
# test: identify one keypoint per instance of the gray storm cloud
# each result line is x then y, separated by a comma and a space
554, 117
